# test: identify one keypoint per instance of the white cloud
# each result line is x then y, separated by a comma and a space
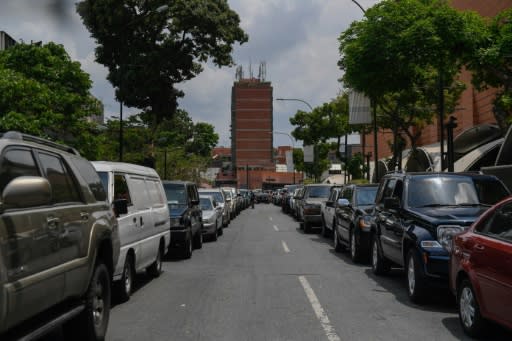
297, 39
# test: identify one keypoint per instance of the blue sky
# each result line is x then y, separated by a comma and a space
297, 39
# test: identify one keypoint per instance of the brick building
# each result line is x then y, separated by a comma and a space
474, 107
253, 159
251, 124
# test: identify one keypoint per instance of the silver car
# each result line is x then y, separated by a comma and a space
212, 216
220, 197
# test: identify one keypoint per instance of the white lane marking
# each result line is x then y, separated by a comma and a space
270, 218
275, 228
329, 330
285, 247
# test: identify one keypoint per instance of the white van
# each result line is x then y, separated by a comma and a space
144, 227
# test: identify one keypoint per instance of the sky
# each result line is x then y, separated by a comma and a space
296, 39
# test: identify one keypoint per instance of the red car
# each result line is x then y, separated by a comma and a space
481, 270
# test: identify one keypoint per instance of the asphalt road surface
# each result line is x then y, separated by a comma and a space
264, 279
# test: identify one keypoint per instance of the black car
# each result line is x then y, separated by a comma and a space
353, 220
416, 216
185, 212
285, 202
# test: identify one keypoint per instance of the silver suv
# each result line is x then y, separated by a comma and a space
58, 241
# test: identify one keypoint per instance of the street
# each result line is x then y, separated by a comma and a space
264, 279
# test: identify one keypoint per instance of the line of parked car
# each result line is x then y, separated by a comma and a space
446, 230
74, 234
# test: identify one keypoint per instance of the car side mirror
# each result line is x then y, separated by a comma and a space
391, 203
120, 206
343, 202
27, 191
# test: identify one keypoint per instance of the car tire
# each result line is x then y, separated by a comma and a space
416, 288
155, 269
187, 248
337, 245
470, 317
355, 250
198, 239
92, 322
380, 265
325, 232
125, 285
215, 233
307, 227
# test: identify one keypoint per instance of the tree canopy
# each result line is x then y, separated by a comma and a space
44, 93
149, 48
328, 121
491, 65
403, 52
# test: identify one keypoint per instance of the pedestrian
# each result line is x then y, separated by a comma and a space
252, 199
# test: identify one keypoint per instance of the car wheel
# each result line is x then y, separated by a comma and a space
355, 251
92, 322
307, 227
337, 244
155, 269
380, 265
469, 311
415, 281
325, 233
198, 239
215, 233
126, 283
187, 246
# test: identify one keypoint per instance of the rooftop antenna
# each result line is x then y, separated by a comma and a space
239, 73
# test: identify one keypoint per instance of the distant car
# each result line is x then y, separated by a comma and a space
353, 220
212, 216
220, 197
328, 209
481, 270
309, 205
287, 198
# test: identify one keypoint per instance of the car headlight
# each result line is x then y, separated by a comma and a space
208, 220
445, 235
175, 221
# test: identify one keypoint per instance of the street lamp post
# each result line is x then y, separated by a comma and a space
295, 99
310, 108
159, 9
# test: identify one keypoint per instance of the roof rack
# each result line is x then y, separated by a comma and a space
16, 135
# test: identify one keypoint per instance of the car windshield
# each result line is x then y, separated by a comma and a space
216, 195
205, 203
454, 191
319, 191
366, 196
175, 194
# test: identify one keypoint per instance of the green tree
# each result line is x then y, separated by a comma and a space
492, 66
329, 121
403, 52
148, 52
43, 92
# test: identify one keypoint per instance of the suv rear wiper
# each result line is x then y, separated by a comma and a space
471, 205
432, 205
